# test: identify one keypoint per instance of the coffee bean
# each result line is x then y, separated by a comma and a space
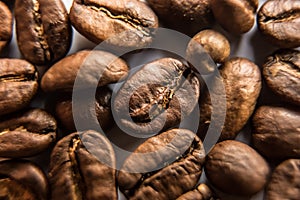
279, 21
242, 82
82, 166
162, 93
18, 84
43, 30
211, 42
187, 16
102, 109
181, 155
92, 65
235, 16
6, 21
285, 181
202, 192
276, 132
122, 23
236, 168
282, 74
21, 179
26, 134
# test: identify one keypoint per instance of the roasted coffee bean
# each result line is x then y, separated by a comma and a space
18, 84
276, 132
102, 109
202, 192
282, 74
26, 134
22, 180
236, 168
187, 16
121, 23
82, 166
6, 22
235, 16
44, 33
162, 93
92, 65
242, 81
163, 167
279, 21
211, 42
285, 181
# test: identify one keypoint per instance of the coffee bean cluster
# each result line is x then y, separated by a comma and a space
44, 154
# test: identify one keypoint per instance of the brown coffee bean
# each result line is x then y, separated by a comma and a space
202, 192
211, 42
122, 23
82, 166
93, 65
235, 16
18, 84
236, 168
43, 30
26, 134
6, 21
242, 82
282, 74
159, 96
276, 132
22, 180
279, 21
285, 181
187, 16
102, 109
181, 155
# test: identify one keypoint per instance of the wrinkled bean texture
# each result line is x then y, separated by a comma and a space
285, 181
18, 84
26, 133
121, 23
276, 132
21, 179
6, 21
279, 21
187, 16
97, 68
82, 166
43, 29
232, 163
181, 155
163, 92
282, 74
241, 80
235, 16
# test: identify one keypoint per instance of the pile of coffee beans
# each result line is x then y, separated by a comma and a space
89, 124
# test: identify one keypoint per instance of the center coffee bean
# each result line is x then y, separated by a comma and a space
163, 92
279, 21
82, 166
18, 84
44, 33
94, 65
236, 168
6, 22
22, 180
26, 134
122, 23
181, 155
